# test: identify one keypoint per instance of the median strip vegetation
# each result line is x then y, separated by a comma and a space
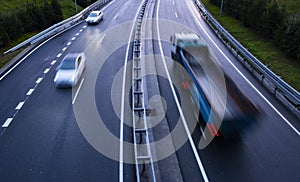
285, 62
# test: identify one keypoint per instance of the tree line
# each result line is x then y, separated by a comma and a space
30, 17
268, 19
85, 3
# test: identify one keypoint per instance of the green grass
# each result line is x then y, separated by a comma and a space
68, 9
292, 6
263, 49
68, 6
4, 59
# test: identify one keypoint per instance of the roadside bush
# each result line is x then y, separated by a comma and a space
267, 19
288, 37
85, 3
28, 18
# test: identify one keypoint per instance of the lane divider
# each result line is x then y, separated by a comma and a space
53, 62
64, 49
38, 81
29, 93
116, 16
58, 55
46, 70
7, 122
19, 106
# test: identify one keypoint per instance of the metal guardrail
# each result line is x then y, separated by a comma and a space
142, 149
292, 95
59, 26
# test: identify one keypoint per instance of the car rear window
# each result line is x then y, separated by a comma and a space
93, 15
68, 63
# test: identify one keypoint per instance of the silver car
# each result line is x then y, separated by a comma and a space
94, 17
70, 70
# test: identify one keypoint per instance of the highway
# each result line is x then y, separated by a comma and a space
44, 134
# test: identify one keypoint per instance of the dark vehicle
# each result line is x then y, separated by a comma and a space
238, 110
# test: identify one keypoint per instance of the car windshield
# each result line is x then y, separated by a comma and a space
67, 64
93, 15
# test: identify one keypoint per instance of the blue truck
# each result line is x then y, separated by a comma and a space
223, 107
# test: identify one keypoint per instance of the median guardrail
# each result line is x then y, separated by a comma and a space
291, 95
59, 27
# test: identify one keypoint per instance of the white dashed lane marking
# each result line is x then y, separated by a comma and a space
64, 49
53, 62
116, 16
29, 91
38, 80
20, 105
46, 70
7, 122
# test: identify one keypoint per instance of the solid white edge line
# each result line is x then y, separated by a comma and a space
19, 106
123, 98
200, 165
29, 91
76, 94
259, 93
38, 80
7, 122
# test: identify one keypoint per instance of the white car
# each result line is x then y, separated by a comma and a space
70, 70
94, 17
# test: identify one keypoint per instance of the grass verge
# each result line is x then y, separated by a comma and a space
68, 9
264, 49
5, 58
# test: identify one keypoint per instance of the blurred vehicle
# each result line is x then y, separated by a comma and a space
94, 17
70, 70
194, 55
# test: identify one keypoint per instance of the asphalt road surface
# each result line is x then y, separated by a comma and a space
41, 139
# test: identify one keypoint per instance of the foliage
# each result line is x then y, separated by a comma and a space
85, 3
268, 19
29, 18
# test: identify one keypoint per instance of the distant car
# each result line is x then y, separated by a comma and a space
70, 70
94, 17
